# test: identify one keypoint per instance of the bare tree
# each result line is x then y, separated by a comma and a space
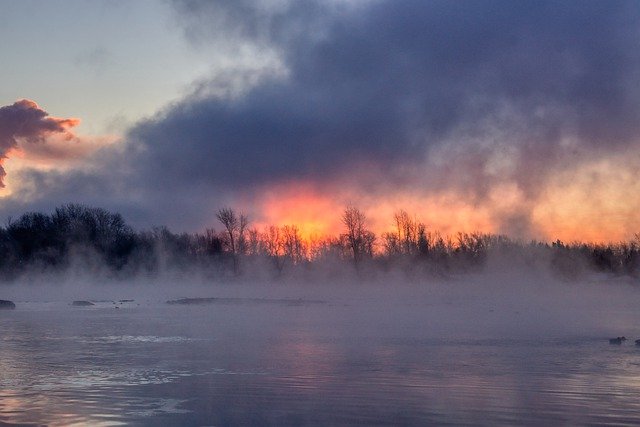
243, 223
229, 220
293, 245
411, 236
274, 246
359, 240
272, 241
212, 243
254, 242
235, 226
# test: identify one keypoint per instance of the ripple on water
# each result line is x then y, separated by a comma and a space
144, 339
88, 397
144, 369
130, 339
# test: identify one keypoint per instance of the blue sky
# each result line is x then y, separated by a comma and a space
109, 62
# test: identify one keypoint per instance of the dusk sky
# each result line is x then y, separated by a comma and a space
513, 117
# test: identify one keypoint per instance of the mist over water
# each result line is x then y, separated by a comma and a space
475, 349
350, 213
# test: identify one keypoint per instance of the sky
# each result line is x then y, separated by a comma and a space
518, 118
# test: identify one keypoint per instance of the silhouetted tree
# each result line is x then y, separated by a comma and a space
274, 246
293, 245
34, 238
103, 231
235, 226
254, 243
49, 242
411, 237
359, 240
231, 223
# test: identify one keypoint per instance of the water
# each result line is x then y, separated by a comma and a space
354, 359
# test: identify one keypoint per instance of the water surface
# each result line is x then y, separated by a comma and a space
354, 359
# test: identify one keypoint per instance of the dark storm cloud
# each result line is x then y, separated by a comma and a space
386, 81
25, 120
434, 95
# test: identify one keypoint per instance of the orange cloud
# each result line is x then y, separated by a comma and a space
317, 211
24, 121
594, 202
591, 202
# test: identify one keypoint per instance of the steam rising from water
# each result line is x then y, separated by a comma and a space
436, 351
464, 307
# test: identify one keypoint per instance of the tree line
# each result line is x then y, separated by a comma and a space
96, 240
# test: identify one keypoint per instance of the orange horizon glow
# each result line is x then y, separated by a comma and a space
592, 201
302, 206
565, 211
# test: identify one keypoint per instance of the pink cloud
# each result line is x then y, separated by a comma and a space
25, 121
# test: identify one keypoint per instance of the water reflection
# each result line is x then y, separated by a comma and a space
321, 365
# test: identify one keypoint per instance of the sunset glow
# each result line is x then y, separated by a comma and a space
566, 210
293, 129
298, 205
593, 203
319, 212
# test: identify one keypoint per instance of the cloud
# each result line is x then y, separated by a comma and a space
394, 79
24, 121
486, 101
475, 96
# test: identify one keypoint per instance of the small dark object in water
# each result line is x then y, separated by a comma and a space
617, 341
6, 305
194, 301
82, 303
237, 301
638, 342
126, 300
